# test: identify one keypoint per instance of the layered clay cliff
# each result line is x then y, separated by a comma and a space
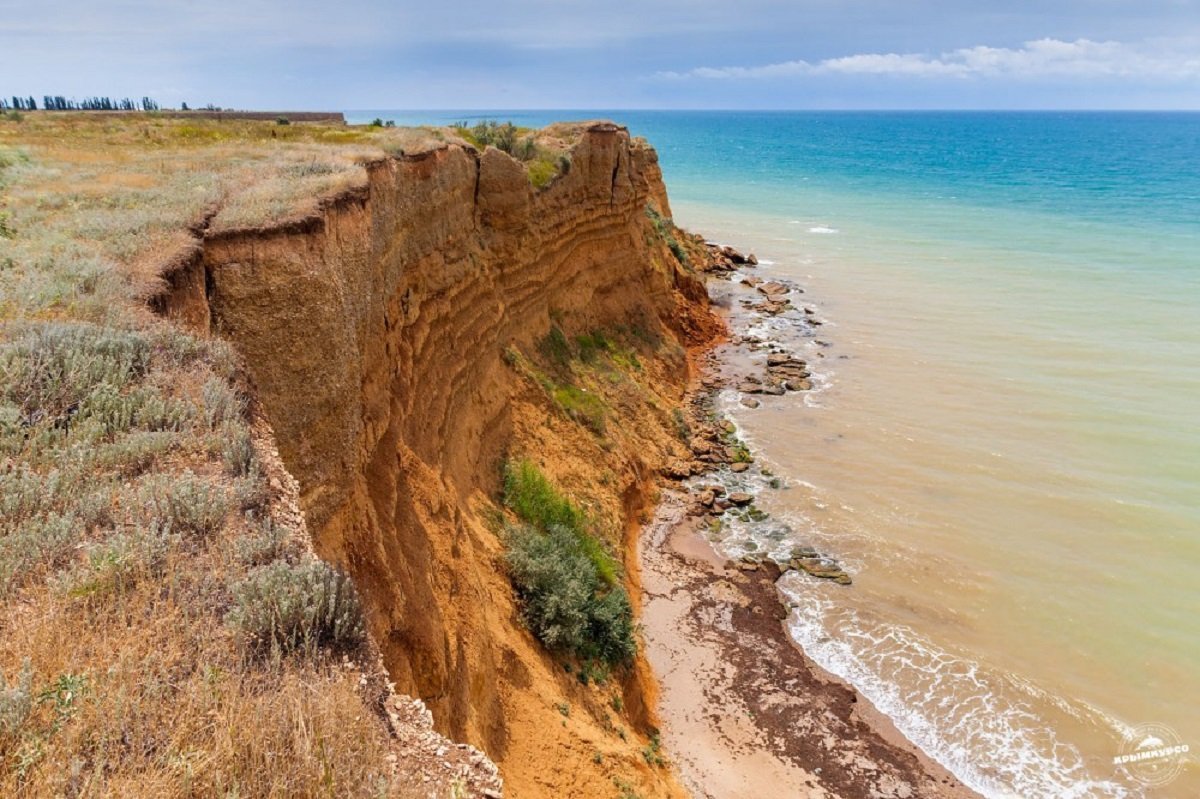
384, 337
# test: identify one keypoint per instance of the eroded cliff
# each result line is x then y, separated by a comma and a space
389, 338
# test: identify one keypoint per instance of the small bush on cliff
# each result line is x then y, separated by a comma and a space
542, 165
501, 135
555, 347
564, 600
666, 230
569, 587
188, 504
284, 607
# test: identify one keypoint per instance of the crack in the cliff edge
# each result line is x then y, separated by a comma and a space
612, 190
475, 196
200, 231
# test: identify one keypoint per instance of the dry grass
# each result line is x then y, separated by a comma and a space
134, 508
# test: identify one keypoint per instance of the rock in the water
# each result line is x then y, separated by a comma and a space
706, 498
802, 384
740, 498
751, 402
822, 568
750, 388
739, 467
775, 389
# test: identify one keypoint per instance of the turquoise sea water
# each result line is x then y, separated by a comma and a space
1005, 448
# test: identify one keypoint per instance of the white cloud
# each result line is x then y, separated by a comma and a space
1042, 58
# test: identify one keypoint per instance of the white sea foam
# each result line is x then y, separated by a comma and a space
978, 723
823, 229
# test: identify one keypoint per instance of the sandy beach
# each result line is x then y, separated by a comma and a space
744, 713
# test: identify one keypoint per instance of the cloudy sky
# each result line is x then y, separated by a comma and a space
351, 54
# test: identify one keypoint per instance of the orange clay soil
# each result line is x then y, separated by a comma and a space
395, 340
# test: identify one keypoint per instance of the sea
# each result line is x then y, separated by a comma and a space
1002, 445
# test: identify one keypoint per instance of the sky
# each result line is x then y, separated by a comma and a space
612, 54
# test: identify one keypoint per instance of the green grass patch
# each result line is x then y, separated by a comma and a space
585, 407
543, 170
535, 500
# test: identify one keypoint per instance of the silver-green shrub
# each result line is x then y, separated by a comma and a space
285, 607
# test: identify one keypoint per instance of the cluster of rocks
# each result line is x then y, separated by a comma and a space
784, 373
775, 298
711, 446
714, 447
807, 560
724, 259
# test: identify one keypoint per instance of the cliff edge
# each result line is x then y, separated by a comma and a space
397, 342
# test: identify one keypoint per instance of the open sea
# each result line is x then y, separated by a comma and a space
1003, 447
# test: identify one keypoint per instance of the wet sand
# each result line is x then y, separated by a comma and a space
744, 712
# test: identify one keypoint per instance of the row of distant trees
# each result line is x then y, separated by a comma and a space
60, 103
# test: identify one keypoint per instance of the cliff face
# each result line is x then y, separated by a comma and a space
376, 333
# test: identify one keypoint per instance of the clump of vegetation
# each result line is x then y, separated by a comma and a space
489, 132
652, 752
665, 230
624, 789
16, 701
286, 607
585, 407
542, 165
126, 467
264, 541
555, 347
564, 356
187, 504
567, 582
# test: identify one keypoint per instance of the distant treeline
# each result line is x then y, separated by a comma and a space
60, 103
